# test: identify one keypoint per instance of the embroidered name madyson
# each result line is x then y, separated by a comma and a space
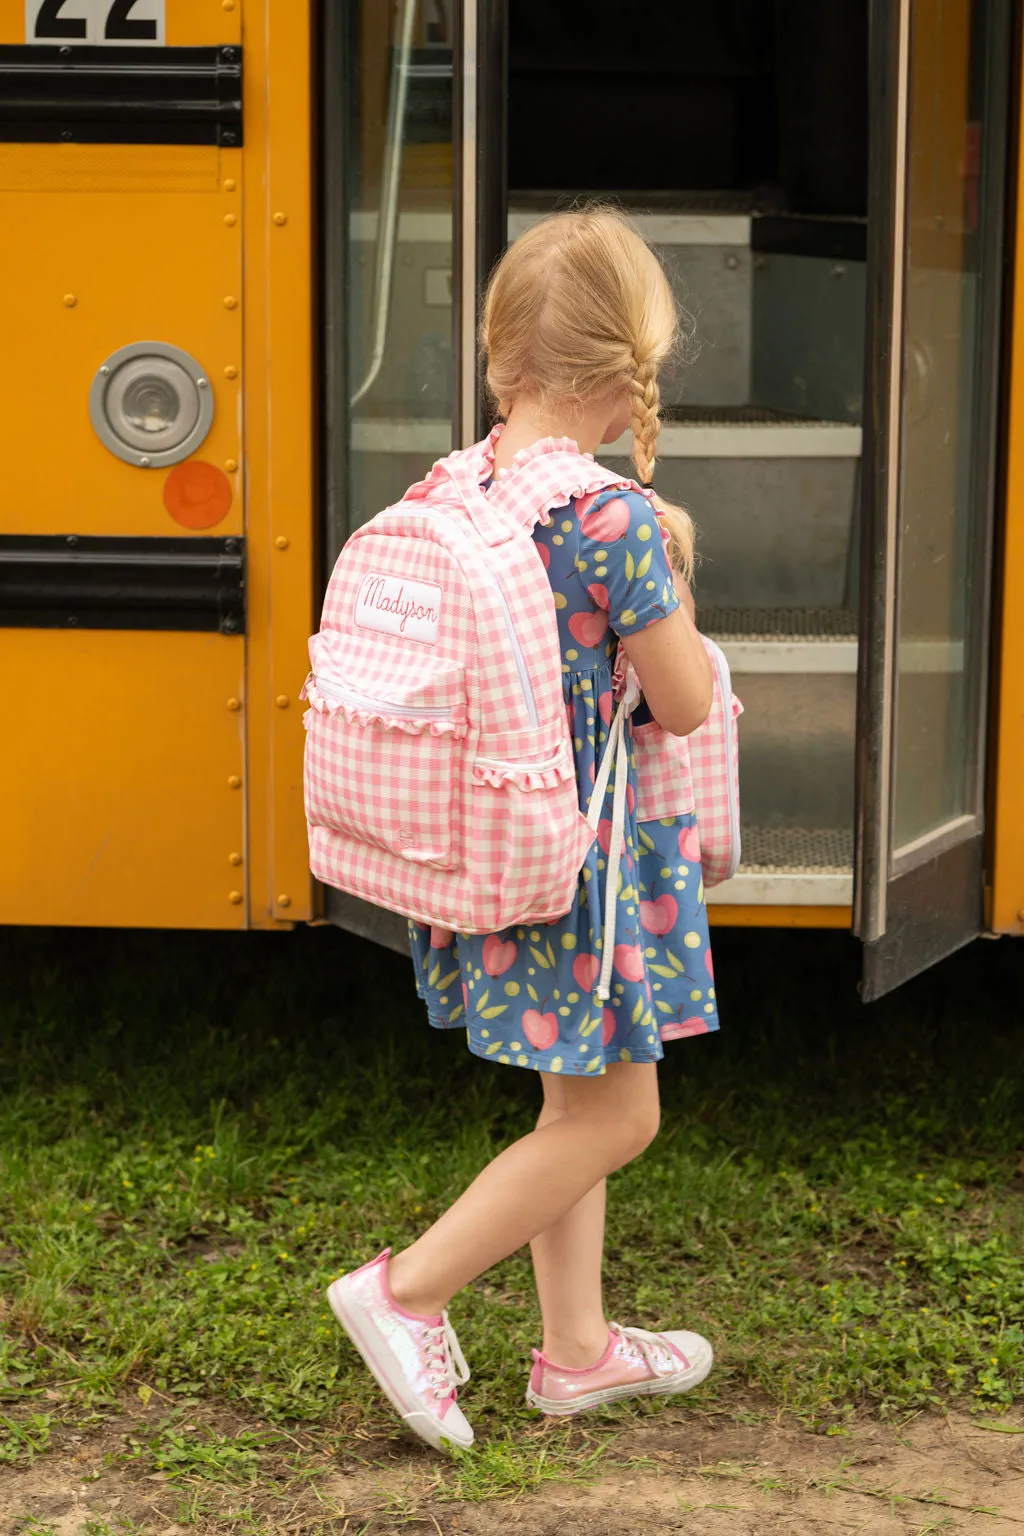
394, 605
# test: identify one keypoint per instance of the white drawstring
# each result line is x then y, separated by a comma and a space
615, 751
445, 1359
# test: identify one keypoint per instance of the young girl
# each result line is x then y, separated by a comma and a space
579, 315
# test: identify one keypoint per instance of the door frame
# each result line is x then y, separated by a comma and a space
912, 909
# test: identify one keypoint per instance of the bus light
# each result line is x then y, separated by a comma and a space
151, 404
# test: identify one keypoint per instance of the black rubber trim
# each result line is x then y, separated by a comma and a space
795, 235
131, 95
68, 581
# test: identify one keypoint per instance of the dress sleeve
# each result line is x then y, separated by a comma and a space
621, 560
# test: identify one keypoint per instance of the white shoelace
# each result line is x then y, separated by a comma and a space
615, 751
445, 1360
645, 1341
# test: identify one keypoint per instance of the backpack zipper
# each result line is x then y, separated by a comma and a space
363, 700
517, 650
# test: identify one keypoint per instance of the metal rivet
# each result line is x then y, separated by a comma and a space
282, 701
72, 539
280, 218
230, 302
732, 262
234, 782
70, 300
227, 5
230, 184
67, 135
65, 52
231, 372
72, 621
230, 546
104, 370
230, 219
230, 465
234, 858
235, 898
202, 384
144, 463
228, 136
233, 704
284, 901
281, 541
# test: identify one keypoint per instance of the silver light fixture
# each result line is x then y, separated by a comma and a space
151, 404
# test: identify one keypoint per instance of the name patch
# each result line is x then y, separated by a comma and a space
395, 606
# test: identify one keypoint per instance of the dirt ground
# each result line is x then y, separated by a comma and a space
704, 1476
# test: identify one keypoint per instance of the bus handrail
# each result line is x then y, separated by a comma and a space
387, 219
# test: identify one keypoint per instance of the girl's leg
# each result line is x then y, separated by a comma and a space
607, 1122
567, 1259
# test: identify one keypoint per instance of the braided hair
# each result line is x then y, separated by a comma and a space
577, 309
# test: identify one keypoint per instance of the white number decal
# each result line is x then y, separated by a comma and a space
101, 23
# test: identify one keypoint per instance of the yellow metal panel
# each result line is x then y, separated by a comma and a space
779, 917
115, 779
84, 168
279, 435
1008, 838
122, 791
81, 276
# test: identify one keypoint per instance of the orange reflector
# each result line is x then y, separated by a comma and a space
196, 494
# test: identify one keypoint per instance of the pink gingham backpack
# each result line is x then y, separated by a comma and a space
698, 773
440, 780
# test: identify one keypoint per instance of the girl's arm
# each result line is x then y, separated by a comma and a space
673, 667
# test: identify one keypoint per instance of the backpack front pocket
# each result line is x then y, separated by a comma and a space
385, 768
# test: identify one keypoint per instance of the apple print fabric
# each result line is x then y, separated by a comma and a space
525, 995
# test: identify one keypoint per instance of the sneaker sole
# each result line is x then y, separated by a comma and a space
658, 1386
378, 1360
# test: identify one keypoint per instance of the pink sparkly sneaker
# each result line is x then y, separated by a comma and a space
416, 1360
635, 1364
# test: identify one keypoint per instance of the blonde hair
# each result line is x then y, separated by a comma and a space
577, 309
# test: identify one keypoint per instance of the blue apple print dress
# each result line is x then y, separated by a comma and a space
525, 995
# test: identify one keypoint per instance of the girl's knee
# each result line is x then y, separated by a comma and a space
620, 1109
639, 1128
625, 1132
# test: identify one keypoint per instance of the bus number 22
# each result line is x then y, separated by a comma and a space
104, 21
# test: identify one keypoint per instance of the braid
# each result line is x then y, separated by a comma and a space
645, 399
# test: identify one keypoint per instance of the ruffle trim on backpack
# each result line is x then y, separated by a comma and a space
453, 725
567, 493
524, 776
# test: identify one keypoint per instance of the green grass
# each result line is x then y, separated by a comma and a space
198, 1132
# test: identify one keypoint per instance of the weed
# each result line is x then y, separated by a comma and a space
24, 1439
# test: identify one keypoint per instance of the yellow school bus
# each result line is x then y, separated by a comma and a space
242, 255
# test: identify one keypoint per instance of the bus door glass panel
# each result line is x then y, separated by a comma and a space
929, 522
389, 240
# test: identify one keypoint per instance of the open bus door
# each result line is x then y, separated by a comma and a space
940, 129
798, 506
